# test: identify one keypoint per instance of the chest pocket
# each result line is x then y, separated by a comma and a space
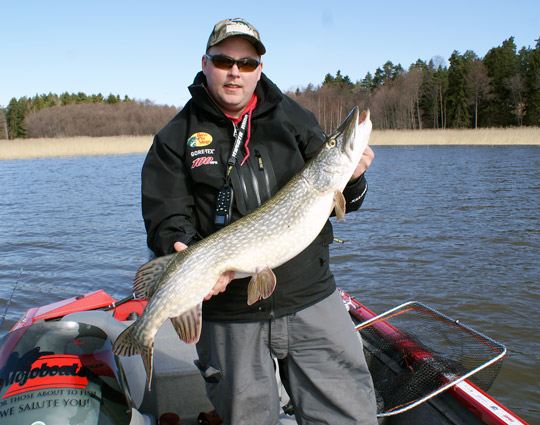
254, 182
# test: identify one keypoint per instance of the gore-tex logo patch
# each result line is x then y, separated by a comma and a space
200, 152
203, 160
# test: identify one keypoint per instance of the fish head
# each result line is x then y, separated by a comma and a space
332, 167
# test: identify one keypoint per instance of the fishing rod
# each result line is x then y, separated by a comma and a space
10, 297
117, 303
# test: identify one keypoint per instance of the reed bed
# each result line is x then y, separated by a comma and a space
483, 136
118, 145
73, 146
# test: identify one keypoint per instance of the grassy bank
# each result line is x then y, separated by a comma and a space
41, 148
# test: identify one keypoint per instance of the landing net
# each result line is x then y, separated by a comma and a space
415, 353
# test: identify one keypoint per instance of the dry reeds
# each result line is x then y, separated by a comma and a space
483, 136
73, 146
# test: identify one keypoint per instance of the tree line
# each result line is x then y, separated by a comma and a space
79, 114
499, 90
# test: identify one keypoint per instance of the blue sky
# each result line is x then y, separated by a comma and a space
152, 49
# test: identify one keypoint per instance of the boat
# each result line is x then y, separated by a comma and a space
57, 367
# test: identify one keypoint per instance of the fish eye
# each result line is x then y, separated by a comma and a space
331, 143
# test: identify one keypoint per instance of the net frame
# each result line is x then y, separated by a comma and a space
425, 355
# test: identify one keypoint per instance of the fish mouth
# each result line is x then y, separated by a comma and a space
346, 134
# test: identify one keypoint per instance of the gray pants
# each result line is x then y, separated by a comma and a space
329, 381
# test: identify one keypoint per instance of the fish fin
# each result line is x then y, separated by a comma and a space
339, 205
147, 354
126, 344
261, 285
148, 275
188, 325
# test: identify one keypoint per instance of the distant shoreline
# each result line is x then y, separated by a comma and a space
119, 145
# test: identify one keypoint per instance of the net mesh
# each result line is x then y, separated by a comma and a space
414, 351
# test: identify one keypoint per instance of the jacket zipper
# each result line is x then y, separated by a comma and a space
255, 183
264, 171
259, 159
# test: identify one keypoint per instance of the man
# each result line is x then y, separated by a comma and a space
237, 116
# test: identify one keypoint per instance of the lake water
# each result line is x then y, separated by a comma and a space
457, 228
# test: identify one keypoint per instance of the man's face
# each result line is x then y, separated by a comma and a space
232, 89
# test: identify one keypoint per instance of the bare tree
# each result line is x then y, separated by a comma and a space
516, 86
409, 91
329, 103
397, 103
384, 106
478, 82
99, 119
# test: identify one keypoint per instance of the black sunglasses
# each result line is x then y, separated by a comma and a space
225, 62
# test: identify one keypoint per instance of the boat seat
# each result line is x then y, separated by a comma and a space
132, 365
57, 340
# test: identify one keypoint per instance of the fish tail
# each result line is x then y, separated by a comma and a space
146, 354
127, 345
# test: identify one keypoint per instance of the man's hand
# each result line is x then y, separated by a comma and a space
364, 163
222, 281
179, 246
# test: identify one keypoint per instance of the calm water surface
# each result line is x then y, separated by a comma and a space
457, 228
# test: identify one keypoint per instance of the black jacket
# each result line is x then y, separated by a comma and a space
186, 167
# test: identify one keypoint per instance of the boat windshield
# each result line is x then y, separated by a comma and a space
61, 372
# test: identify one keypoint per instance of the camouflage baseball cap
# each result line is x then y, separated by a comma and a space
235, 27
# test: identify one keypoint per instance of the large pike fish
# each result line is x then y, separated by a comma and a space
264, 239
